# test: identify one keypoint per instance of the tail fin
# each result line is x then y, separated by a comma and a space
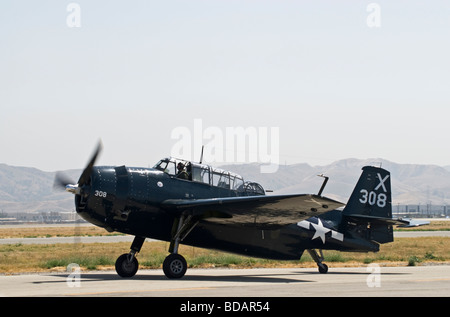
368, 212
372, 195
369, 209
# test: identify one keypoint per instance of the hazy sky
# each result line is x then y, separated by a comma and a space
334, 84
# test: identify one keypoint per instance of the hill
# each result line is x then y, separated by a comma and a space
31, 190
25, 189
411, 183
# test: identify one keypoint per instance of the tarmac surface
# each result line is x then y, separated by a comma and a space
221, 284
128, 238
368, 281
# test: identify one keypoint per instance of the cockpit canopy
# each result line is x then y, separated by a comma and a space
206, 174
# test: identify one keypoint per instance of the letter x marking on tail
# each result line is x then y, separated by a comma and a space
381, 184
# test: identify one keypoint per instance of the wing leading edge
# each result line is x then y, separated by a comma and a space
273, 210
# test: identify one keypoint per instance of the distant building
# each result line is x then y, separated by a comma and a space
421, 211
41, 217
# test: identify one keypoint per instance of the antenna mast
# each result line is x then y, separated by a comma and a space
325, 181
201, 155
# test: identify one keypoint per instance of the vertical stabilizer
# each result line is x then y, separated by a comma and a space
369, 209
372, 194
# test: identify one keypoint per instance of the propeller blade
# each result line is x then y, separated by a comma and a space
84, 178
61, 181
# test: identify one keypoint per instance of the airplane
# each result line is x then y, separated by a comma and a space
181, 201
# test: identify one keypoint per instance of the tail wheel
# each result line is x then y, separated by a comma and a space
174, 266
323, 268
127, 265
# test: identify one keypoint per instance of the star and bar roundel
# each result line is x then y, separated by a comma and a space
320, 230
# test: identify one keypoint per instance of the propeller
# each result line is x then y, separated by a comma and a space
63, 182
84, 178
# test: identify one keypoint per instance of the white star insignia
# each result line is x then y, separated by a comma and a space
320, 231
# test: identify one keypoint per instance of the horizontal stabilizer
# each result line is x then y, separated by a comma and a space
401, 222
407, 222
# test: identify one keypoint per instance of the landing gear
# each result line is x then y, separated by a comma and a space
323, 268
175, 266
127, 265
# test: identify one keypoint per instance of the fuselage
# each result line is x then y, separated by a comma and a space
128, 200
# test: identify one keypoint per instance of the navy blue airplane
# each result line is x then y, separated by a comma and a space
195, 204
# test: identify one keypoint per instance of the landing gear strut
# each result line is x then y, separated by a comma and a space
127, 264
174, 265
323, 268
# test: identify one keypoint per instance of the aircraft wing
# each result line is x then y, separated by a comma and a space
272, 210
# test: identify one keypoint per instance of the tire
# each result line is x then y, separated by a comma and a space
174, 266
125, 267
323, 268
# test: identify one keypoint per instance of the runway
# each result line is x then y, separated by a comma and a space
128, 238
53, 240
368, 281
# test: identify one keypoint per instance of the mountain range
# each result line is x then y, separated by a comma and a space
25, 189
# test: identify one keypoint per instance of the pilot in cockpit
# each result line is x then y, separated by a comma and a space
181, 171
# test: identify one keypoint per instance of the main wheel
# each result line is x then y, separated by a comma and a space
174, 266
125, 267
